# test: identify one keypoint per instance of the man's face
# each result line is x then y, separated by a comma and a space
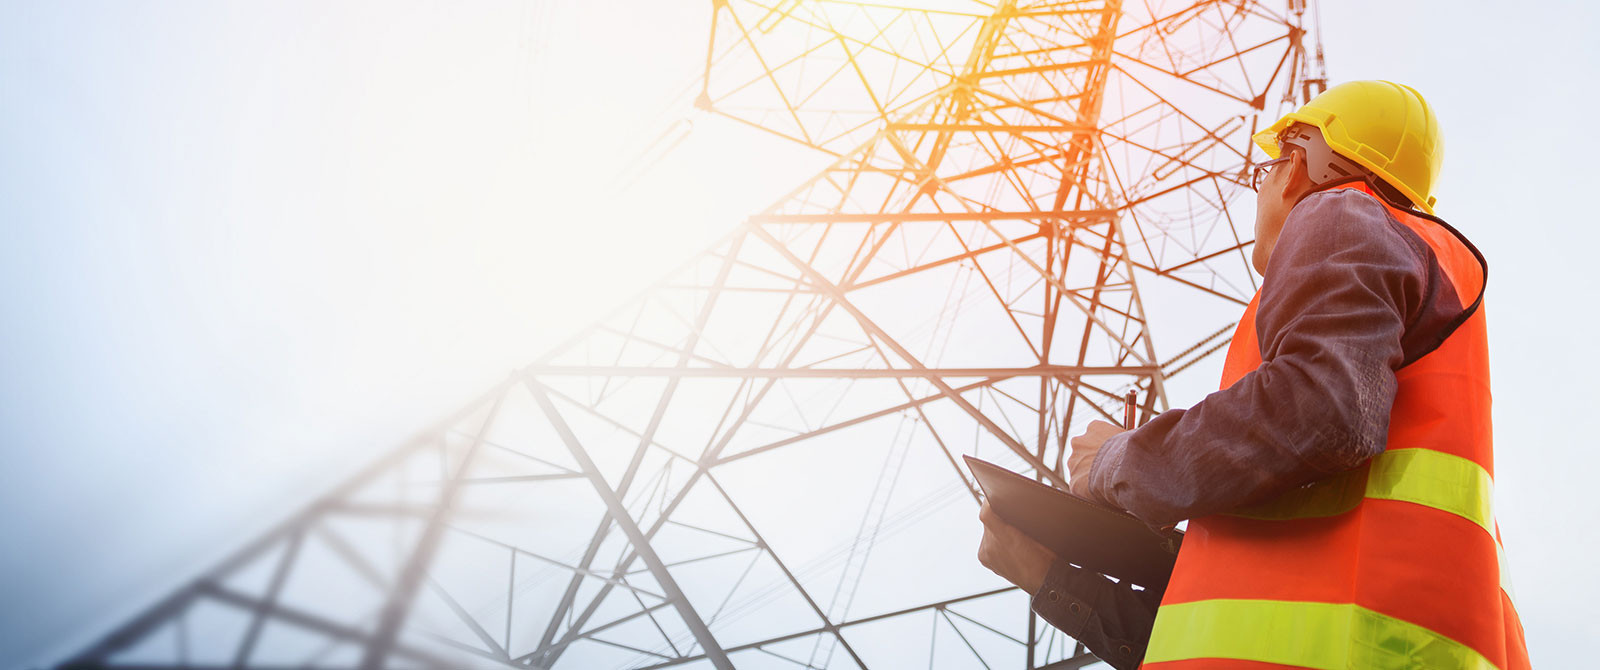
1276, 195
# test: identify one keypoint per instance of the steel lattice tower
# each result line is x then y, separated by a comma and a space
754, 462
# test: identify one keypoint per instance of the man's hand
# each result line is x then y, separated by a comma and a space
1084, 449
1012, 555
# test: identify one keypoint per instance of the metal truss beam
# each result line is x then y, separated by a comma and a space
1012, 192
641, 543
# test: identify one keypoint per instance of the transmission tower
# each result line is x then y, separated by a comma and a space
755, 462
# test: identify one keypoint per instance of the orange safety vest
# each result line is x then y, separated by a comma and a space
1395, 564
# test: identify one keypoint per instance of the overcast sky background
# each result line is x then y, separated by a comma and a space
247, 247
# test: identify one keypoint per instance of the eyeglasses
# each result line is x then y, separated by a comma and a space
1259, 170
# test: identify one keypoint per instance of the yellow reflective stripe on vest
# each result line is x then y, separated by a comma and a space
1435, 479
1331, 496
1327, 636
1426, 477
1505, 575
1445, 482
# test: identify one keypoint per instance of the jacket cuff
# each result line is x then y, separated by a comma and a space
1108, 619
1058, 603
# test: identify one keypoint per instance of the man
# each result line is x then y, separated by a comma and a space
1338, 485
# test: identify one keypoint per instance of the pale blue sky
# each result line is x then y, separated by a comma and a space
246, 247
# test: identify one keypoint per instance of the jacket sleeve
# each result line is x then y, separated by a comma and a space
1343, 283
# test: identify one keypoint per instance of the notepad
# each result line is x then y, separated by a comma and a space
1079, 530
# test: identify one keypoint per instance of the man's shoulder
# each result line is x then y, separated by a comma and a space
1341, 205
1344, 220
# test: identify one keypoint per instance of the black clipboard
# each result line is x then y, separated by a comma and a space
1079, 530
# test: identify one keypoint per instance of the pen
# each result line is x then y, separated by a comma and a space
1127, 410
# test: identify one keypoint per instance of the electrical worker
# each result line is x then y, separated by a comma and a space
1338, 485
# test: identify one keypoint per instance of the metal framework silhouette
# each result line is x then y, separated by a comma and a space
754, 463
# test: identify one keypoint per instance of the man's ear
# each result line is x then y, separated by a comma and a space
1298, 180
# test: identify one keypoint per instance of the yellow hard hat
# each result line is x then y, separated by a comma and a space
1382, 126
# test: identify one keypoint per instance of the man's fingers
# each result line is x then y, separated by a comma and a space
991, 520
1103, 428
986, 545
